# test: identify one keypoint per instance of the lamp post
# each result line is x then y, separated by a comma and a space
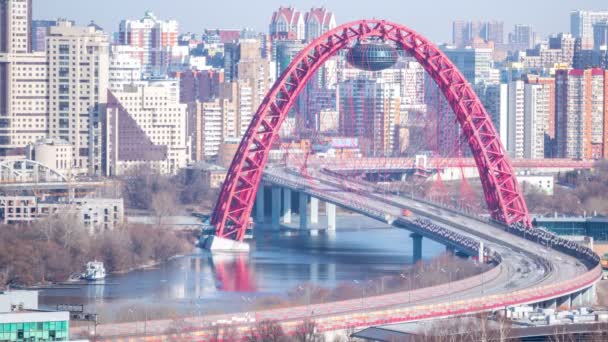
363, 292
132, 312
410, 278
248, 304
307, 289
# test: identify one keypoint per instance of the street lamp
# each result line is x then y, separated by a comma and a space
301, 288
363, 292
410, 278
132, 312
449, 285
246, 305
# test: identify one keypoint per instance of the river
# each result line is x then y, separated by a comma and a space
279, 262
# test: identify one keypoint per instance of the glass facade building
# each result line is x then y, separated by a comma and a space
595, 227
34, 331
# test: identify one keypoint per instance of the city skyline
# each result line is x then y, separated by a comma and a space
196, 16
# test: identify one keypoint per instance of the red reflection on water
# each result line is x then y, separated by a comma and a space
233, 273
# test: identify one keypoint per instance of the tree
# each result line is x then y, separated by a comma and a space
266, 331
306, 331
164, 204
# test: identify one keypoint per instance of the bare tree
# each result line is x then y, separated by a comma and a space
266, 331
164, 204
307, 332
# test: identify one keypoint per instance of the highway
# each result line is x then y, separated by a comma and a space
528, 272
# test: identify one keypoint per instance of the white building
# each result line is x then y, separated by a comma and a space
55, 153
536, 118
78, 59
515, 121
124, 69
544, 183
209, 128
153, 37
147, 125
23, 81
94, 214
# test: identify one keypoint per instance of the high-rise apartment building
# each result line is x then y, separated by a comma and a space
581, 25
528, 111
15, 26
24, 101
464, 32
240, 95
523, 37
516, 119
600, 34
146, 124
475, 64
23, 81
548, 84
40, 30
202, 86
78, 59
209, 127
370, 110
317, 21
152, 40
494, 97
124, 70
582, 113
285, 52
287, 23
559, 52
254, 69
536, 113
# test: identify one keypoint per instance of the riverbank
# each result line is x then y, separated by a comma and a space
53, 250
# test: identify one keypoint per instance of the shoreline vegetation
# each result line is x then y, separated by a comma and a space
54, 249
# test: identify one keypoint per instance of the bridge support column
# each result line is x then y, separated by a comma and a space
550, 304
314, 210
259, 205
330, 211
564, 302
303, 208
417, 240
576, 299
286, 205
276, 207
589, 295
480, 254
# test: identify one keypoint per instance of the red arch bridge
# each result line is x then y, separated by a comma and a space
531, 265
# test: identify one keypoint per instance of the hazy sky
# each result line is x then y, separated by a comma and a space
431, 18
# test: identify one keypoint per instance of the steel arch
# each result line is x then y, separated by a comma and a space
503, 196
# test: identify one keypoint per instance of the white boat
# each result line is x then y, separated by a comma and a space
94, 271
